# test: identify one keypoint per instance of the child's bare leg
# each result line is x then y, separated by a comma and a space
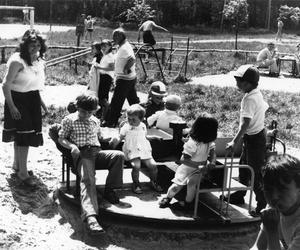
191, 187
16, 160
136, 167
173, 190
151, 165
135, 173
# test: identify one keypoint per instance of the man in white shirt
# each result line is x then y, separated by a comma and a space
125, 78
267, 58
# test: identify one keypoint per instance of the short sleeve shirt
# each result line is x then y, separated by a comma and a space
254, 107
30, 78
124, 53
198, 151
81, 133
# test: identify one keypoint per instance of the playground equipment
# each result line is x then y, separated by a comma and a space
144, 50
177, 62
30, 9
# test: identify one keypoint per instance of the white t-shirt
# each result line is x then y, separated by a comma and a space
263, 55
30, 78
124, 53
163, 119
254, 107
105, 61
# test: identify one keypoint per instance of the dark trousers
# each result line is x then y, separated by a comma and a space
254, 155
125, 89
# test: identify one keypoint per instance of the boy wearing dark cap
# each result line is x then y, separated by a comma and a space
251, 130
155, 101
80, 132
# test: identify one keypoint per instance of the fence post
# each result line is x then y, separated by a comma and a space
3, 55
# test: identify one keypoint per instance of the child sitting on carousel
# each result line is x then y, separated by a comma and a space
199, 148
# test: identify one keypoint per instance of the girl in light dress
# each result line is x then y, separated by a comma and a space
94, 74
199, 148
137, 148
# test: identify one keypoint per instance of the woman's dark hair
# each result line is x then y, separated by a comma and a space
99, 54
281, 167
204, 129
31, 36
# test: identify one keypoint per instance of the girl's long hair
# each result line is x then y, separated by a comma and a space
204, 129
29, 37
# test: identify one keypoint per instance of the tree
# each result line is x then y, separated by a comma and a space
236, 13
140, 12
292, 13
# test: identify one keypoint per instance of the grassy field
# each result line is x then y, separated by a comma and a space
223, 103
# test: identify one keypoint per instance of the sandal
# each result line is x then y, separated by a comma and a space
93, 226
165, 202
136, 188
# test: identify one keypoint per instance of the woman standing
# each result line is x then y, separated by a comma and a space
24, 78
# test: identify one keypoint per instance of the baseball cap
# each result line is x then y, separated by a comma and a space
173, 102
158, 88
247, 73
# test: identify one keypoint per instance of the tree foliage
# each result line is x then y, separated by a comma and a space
236, 12
292, 13
140, 12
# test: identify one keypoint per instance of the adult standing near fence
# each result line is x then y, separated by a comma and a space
125, 78
147, 29
279, 29
89, 27
22, 83
25, 15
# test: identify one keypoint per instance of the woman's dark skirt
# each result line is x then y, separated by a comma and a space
28, 130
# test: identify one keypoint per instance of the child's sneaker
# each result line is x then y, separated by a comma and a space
136, 188
155, 186
165, 202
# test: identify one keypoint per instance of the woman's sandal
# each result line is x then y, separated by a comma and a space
93, 226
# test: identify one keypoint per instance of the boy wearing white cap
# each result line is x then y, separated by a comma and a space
251, 130
169, 114
155, 98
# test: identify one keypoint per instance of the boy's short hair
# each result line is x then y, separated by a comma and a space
88, 102
248, 73
136, 109
281, 167
172, 102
